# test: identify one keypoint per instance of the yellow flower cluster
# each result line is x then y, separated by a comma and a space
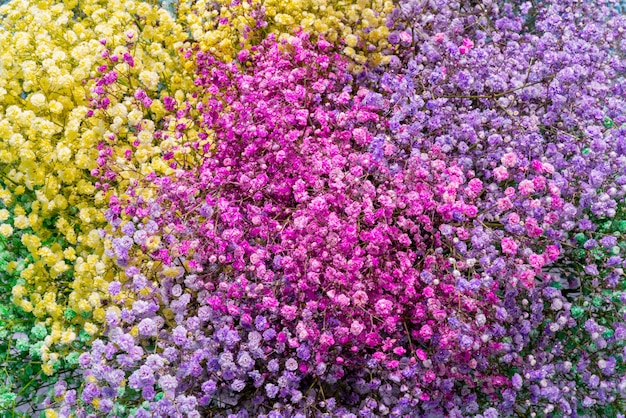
357, 25
49, 56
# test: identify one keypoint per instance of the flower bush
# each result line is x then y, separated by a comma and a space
294, 209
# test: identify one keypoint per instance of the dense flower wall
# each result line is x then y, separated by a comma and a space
262, 208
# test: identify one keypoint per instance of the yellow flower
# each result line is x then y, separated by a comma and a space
21, 222
68, 337
51, 414
351, 40
150, 79
90, 328
134, 117
38, 100
4, 215
47, 369
56, 107
18, 291
6, 230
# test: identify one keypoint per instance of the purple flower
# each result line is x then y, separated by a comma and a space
303, 352
269, 334
179, 335
186, 404
291, 364
608, 241
141, 378
260, 323
245, 361
114, 288
237, 385
148, 393
147, 327
232, 338
70, 397
209, 387
115, 377
90, 392
491, 413
128, 228
271, 390
168, 382
273, 366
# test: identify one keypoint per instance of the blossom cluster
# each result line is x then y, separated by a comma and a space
314, 209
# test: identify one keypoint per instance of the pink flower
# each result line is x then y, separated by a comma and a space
439, 314
537, 166
504, 204
552, 252
380, 356
360, 136
467, 46
514, 218
243, 55
392, 364
405, 37
383, 307
426, 332
526, 187
527, 278
360, 298
551, 218
429, 292
289, 312
501, 173
475, 185
509, 159
326, 339
462, 233
509, 246
539, 182
399, 351
429, 376
439, 37
356, 328
548, 168
536, 260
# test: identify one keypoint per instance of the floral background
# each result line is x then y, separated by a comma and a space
304, 208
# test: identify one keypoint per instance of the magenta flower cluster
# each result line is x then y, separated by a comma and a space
440, 236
